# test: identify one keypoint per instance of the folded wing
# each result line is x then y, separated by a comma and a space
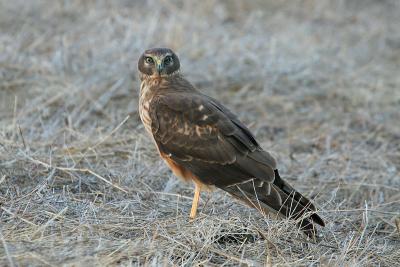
204, 137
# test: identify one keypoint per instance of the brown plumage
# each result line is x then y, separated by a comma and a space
202, 141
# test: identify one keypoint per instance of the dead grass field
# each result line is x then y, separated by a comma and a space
318, 82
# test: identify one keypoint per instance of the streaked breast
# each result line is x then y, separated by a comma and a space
144, 106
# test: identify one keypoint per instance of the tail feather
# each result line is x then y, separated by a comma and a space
278, 198
292, 193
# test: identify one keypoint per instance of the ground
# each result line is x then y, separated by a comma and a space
81, 183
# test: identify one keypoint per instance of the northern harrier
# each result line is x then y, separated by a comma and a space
201, 140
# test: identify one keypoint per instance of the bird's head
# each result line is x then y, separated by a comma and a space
158, 62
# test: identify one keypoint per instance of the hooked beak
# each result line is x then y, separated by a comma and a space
160, 67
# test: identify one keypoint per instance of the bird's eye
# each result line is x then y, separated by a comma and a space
149, 60
168, 60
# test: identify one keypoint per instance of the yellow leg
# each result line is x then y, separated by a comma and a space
195, 202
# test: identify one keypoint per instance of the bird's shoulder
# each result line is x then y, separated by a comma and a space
196, 115
190, 125
196, 110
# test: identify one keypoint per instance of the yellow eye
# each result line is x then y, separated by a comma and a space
149, 60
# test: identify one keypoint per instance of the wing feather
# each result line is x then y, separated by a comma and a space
188, 129
205, 138
199, 126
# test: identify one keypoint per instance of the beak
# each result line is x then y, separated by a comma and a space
160, 67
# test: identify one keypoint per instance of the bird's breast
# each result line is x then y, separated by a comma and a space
144, 106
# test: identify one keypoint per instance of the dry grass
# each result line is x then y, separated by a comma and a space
81, 184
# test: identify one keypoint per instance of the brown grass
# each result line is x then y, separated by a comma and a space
81, 184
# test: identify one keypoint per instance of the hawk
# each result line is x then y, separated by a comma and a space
204, 142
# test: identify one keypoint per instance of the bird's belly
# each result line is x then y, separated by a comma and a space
183, 173
144, 114
178, 170
146, 120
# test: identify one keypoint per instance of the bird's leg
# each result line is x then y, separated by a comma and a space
195, 202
